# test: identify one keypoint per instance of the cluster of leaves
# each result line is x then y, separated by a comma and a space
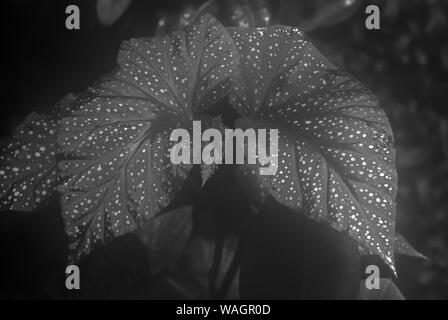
107, 151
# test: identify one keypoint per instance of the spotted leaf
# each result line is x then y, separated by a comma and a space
28, 171
28, 167
335, 160
119, 172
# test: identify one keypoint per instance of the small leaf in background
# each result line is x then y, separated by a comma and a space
28, 166
288, 256
118, 169
168, 23
336, 158
109, 11
116, 271
238, 13
198, 263
165, 237
249, 13
387, 291
312, 15
330, 13
207, 170
402, 246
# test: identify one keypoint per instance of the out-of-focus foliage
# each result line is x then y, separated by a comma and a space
388, 291
109, 11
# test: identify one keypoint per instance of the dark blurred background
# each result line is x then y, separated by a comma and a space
405, 63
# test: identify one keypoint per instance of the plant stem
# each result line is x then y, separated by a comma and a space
230, 274
214, 271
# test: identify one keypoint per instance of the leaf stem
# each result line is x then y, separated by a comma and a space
214, 271
230, 274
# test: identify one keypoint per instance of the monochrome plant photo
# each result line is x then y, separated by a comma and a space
237, 149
